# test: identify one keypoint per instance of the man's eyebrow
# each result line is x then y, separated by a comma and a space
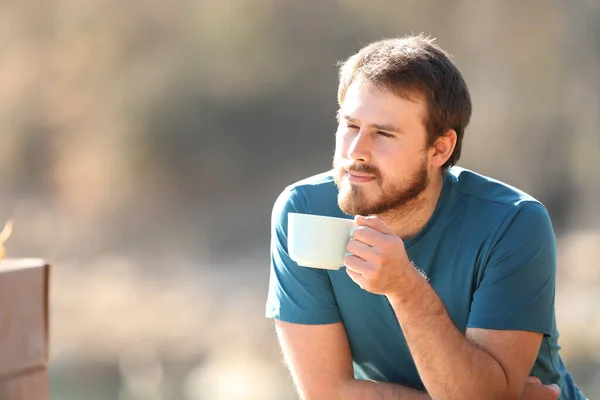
379, 127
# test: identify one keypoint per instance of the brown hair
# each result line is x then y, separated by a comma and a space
411, 67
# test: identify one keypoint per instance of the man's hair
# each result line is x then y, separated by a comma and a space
415, 67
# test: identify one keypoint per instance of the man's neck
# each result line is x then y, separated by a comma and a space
412, 217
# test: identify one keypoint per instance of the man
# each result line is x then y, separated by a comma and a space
447, 291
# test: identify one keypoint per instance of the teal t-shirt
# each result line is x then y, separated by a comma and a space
488, 250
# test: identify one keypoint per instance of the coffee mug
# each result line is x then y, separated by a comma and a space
318, 241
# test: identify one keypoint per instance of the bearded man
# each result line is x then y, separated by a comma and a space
448, 288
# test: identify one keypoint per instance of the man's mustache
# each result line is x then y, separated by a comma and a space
361, 168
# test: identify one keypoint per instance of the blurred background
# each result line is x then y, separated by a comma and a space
144, 142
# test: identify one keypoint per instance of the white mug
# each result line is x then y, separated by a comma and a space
318, 241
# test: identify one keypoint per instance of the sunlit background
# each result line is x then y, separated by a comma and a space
143, 143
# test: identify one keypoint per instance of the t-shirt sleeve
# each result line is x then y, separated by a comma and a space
517, 289
296, 294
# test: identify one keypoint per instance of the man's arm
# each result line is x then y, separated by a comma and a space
511, 308
484, 364
318, 357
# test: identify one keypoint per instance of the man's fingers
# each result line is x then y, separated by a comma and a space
355, 276
373, 222
535, 390
533, 379
368, 235
359, 249
356, 264
353, 268
356, 268
554, 388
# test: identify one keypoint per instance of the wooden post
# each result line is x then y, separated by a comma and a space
24, 329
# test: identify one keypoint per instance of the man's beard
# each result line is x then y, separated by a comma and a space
353, 199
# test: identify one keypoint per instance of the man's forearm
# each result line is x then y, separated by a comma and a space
449, 364
372, 390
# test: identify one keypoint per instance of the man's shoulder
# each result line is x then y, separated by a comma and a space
470, 184
315, 194
494, 205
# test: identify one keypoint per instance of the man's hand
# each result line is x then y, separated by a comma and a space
534, 390
378, 259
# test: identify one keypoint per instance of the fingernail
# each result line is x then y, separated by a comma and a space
554, 387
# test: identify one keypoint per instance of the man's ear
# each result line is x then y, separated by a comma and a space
442, 148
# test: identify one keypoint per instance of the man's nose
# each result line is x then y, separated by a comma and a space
360, 148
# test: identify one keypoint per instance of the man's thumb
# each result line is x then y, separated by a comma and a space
555, 388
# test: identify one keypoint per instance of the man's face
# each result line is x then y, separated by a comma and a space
381, 157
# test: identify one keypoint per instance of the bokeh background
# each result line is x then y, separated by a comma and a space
143, 143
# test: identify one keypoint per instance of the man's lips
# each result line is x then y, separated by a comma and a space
360, 177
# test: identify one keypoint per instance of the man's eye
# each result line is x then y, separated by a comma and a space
384, 134
352, 126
